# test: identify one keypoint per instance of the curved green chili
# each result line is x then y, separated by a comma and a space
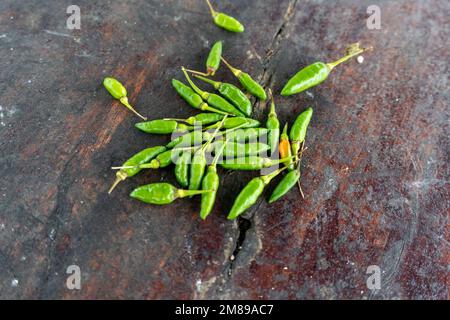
200, 119
213, 61
232, 93
212, 99
298, 131
236, 150
162, 193
163, 160
225, 21
251, 163
118, 91
317, 73
234, 122
162, 126
286, 184
250, 193
247, 82
193, 98
182, 169
273, 125
141, 157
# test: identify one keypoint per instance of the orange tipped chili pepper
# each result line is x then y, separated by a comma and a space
285, 148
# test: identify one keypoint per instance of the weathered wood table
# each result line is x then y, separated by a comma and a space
375, 173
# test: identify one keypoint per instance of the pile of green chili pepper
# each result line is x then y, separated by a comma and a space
223, 132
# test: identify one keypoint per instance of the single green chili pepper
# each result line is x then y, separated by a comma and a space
235, 150
247, 82
213, 61
251, 192
201, 119
298, 131
187, 140
273, 125
232, 93
162, 126
141, 157
192, 98
210, 182
286, 184
118, 91
161, 161
212, 99
199, 162
231, 123
317, 73
251, 163
242, 135
162, 193
182, 169
285, 149
225, 21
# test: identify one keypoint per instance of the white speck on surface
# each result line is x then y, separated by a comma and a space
2, 226
198, 284
205, 41
23, 258
11, 49
12, 18
52, 234
177, 18
360, 59
2, 36
232, 257
285, 268
14, 283
310, 94
29, 81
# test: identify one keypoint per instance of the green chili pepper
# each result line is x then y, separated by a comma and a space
243, 135
225, 21
189, 139
232, 93
298, 131
192, 98
118, 91
182, 169
251, 192
234, 149
141, 157
247, 82
210, 182
212, 99
241, 122
161, 161
318, 72
200, 119
251, 163
162, 193
199, 162
285, 149
285, 185
162, 126
273, 125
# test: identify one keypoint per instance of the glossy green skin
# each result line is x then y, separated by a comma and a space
235, 150
252, 86
210, 182
213, 61
115, 88
234, 122
162, 126
228, 23
156, 193
286, 184
236, 97
187, 94
247, 197
162, 160
273, 136
220, 103
198, 167
248, 163
306, 78
141, 157
190, 139
298, 130
182, 169
243, 135
204, 118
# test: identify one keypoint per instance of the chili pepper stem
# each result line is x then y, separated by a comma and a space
298, 168
120, 176
194, 72
215, 84
352, 50
267, 178
124, 101
213, 12
188, 193
235, 71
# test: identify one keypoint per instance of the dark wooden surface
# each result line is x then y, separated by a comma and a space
375, 173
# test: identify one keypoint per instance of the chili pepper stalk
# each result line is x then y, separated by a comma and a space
119, 92
318, 72
273, 125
